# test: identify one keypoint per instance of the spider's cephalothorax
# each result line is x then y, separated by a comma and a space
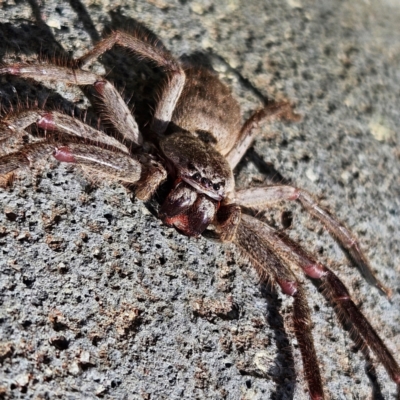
199, 142
204, 181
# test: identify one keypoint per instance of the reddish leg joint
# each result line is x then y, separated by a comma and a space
64, 154
46, 121
295, 195
99, 86
288, 287
315, 271
11, 69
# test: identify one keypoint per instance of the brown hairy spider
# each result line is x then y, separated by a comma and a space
194, 143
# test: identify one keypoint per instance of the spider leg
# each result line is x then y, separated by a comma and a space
271, 111
227, 221
292, 254
116, 109
20, 120
56, 121
111, 163
263, 196
25, 156
269, 265
9, 143
117, 112
12, 131
154, 52
140, 170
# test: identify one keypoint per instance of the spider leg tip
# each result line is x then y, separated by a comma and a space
385, 290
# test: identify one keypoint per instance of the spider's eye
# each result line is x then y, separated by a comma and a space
216, 186
196, 176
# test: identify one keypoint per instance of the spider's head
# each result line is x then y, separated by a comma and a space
203, 179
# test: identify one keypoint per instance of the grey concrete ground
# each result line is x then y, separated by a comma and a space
98, 299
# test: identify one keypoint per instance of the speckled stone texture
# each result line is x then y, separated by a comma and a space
100, 300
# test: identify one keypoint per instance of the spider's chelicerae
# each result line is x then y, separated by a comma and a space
194, 143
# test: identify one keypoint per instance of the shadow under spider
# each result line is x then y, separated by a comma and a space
285, 378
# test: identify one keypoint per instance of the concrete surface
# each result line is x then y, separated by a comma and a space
99, 300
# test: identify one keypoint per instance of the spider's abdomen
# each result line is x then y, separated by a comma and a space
207, 109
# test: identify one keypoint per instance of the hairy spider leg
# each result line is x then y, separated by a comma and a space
154, 52
271, 252
116, 109
269, 266
114, 164
54, 121
262, 197
140, 169
227, 221
12, 131
271, 111
292, 254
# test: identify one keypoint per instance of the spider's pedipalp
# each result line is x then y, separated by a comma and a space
141, 170
228, 219
114, 164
